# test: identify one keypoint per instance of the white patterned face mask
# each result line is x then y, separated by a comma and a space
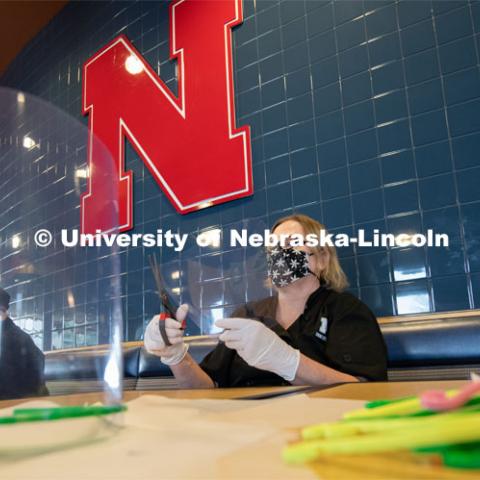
287, 265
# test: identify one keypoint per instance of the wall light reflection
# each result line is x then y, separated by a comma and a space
16, 241
81, 173
403, 240
29, 142
133, 65
209, 238
409, 302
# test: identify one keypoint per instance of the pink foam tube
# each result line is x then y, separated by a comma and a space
439, 401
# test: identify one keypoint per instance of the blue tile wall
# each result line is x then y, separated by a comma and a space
363, 114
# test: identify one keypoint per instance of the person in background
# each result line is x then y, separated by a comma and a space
312, 332
21, 361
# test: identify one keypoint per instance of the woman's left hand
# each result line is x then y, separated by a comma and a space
259, 346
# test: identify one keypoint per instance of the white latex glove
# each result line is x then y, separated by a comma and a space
175, 353
259, 346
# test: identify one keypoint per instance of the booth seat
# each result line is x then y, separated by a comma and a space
424, 347
81, 370
433, 347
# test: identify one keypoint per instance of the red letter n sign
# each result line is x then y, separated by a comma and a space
189, 143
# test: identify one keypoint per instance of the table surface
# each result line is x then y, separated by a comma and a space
260, 459
384, 390
351, 391
213, 393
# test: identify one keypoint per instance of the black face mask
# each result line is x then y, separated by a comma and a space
287, 265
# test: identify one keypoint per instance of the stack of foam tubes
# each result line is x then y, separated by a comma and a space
443, 423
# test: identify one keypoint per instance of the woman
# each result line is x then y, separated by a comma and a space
310, 333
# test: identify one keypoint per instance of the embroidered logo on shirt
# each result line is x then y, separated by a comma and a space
322, 331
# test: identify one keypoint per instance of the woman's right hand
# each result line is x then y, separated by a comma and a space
171, 354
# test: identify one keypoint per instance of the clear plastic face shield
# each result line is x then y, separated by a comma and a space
216, 273
234, 265
62, 298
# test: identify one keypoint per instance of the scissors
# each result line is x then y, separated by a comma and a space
168, 309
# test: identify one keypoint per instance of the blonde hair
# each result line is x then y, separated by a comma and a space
333, 274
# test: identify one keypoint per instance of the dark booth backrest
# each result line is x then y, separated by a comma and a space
435, 342
427, 347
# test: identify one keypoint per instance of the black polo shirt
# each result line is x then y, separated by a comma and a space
21, 363
335, 329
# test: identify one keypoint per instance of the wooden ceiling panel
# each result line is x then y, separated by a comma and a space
20, 21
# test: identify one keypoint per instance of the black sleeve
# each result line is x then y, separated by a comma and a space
356, 346
40, 372
217, 363
36, 369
